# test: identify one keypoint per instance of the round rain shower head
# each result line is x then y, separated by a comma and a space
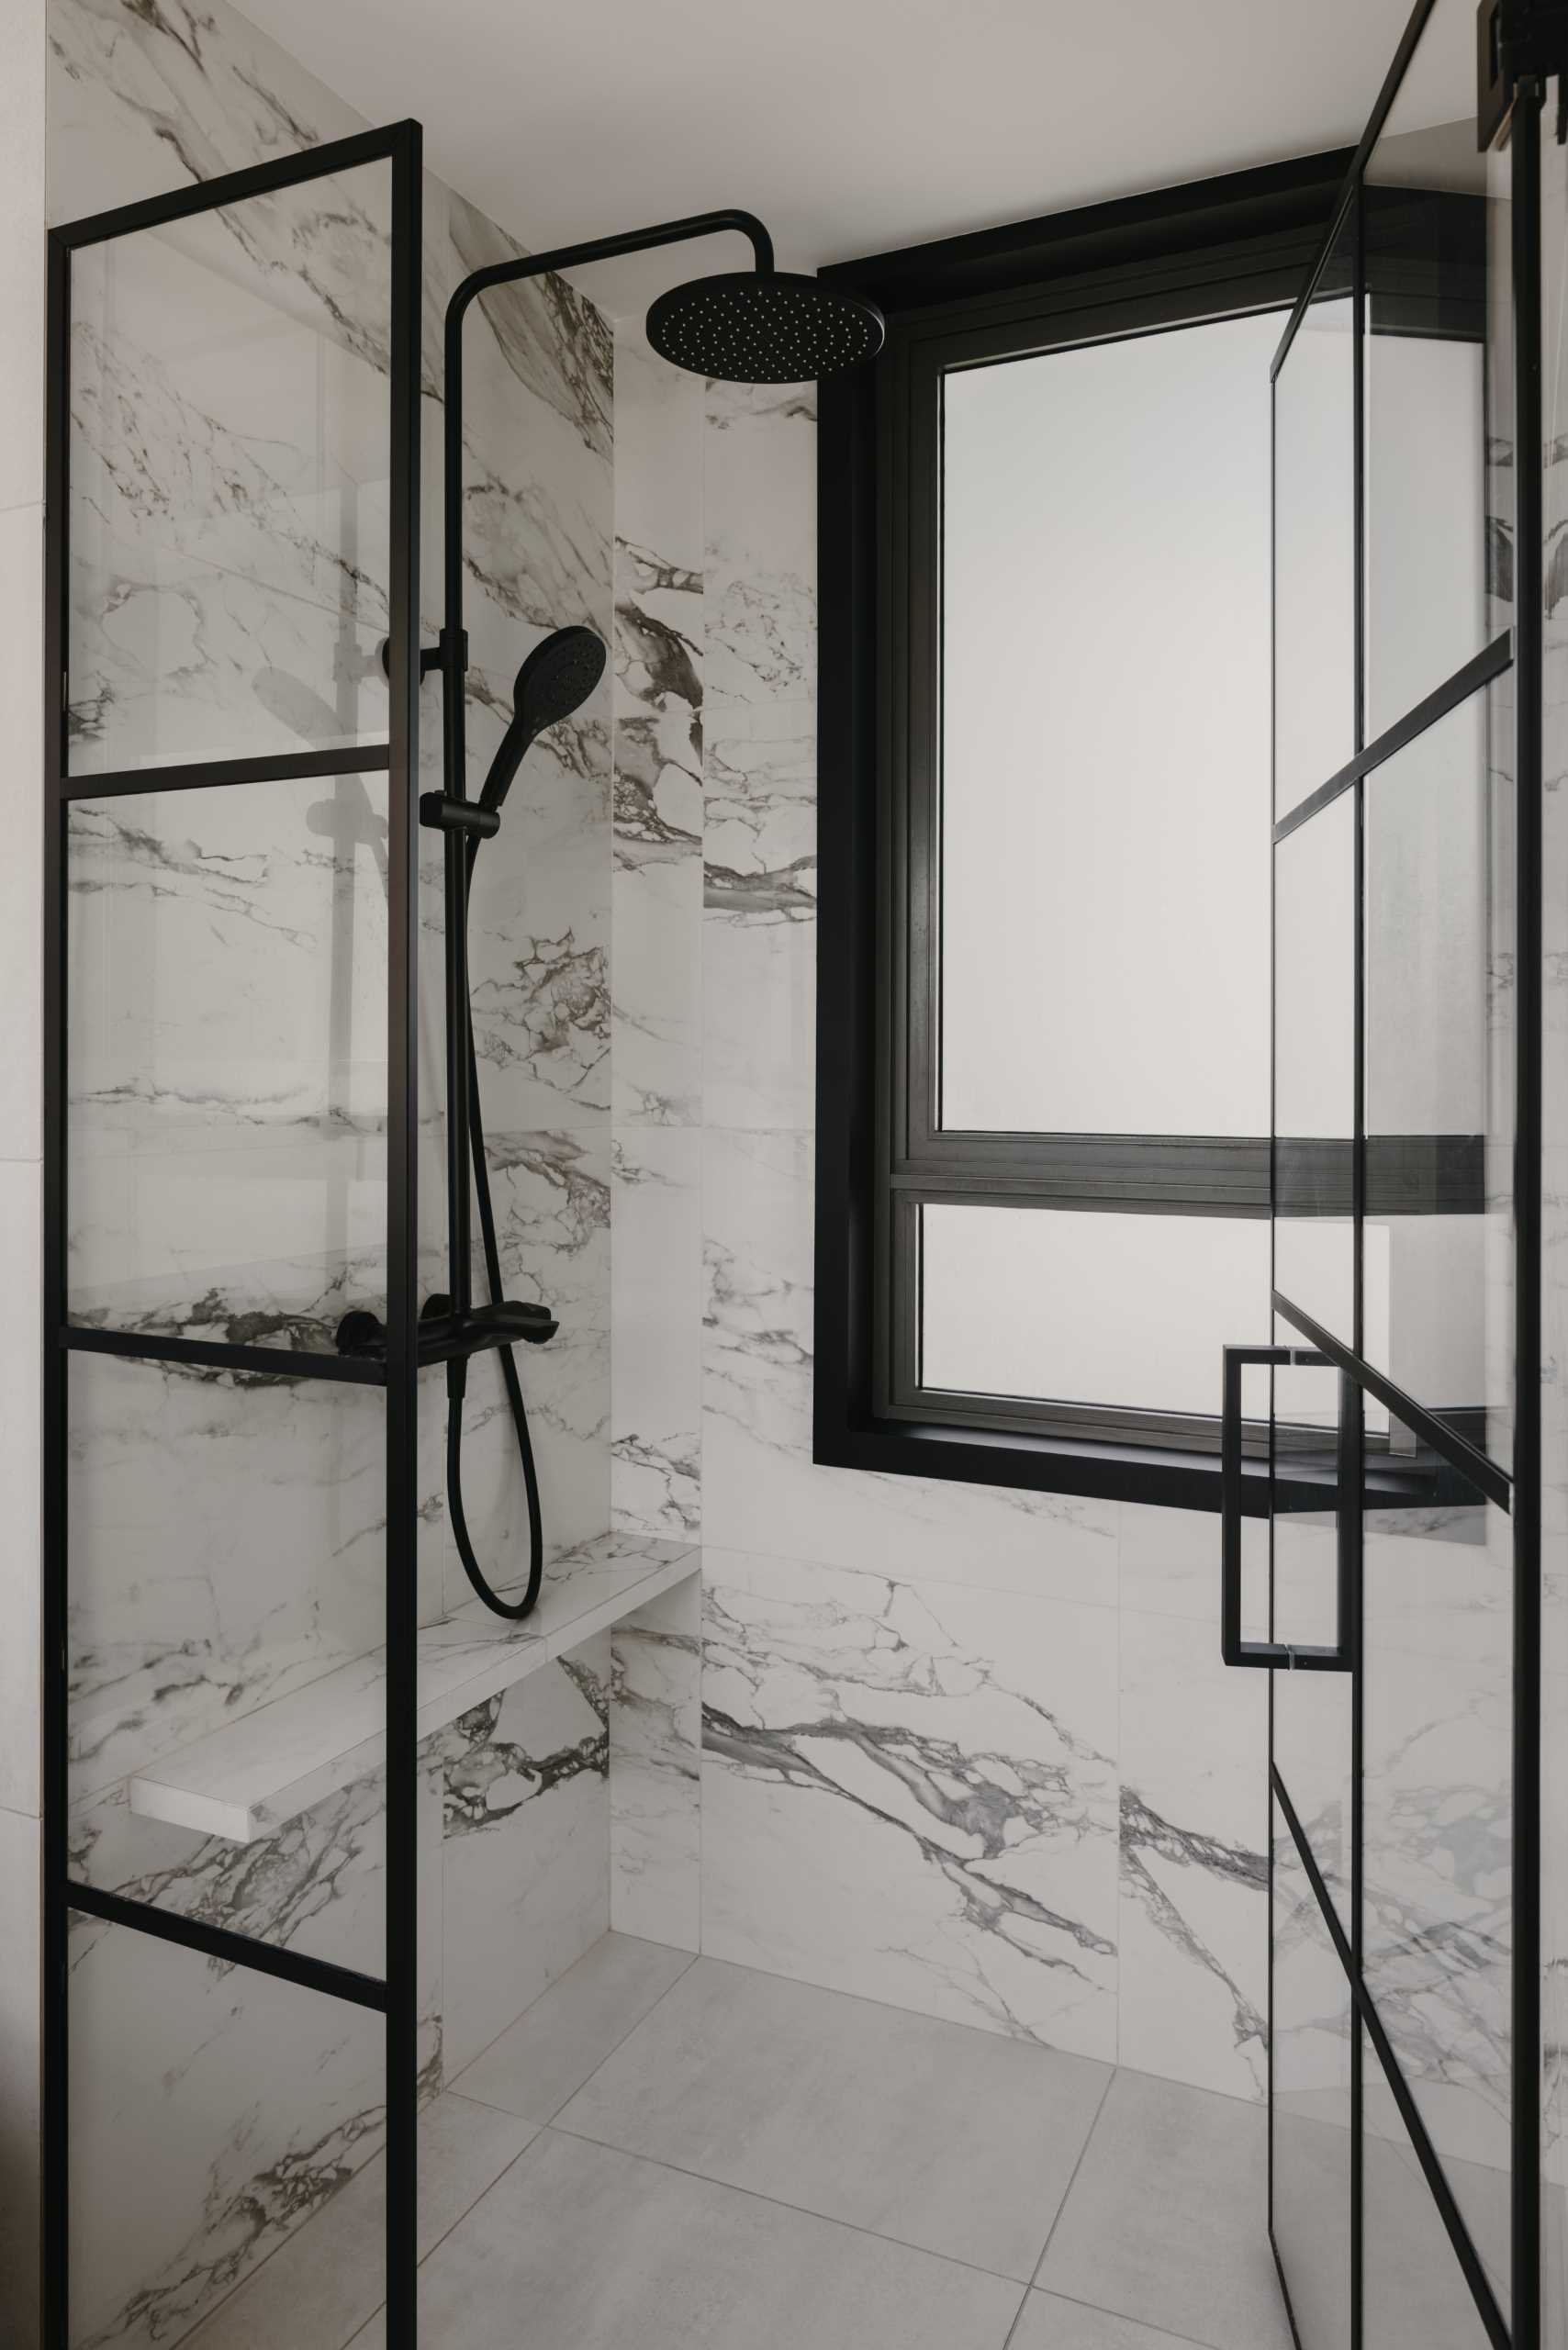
764, 326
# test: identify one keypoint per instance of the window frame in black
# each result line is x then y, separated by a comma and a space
1210, 249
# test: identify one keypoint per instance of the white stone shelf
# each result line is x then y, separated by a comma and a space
249, 1779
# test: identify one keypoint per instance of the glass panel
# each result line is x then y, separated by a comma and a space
1554, 1236
1315, 1065
1314, 538
229, 468
1414, 2294
1439, 1073
1104, 835
1128, 1310
1438, 476
1438, 1805
227, 1566
1312, 1710
228, 1059
1310, 2106
214, 2113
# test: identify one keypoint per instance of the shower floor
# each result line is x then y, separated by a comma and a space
666, 2153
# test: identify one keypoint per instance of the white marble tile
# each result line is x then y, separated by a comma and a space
1170, 1560
1193, 1932
760, 510
20, 2097
760, 980
656, 1020
909, 1792
21, 697
213, 2112
22, 291
21, 1556
759, 828
757, 1472
656, 1324
655, 1769
527, 1838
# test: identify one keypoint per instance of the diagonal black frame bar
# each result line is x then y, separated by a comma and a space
1492, 661
1444, 1440
1409, 2111
398, 146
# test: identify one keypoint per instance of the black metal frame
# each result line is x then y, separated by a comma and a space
1218, 248
395, 1997
1515, 94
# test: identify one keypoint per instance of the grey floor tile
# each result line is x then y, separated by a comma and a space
327, 2279
1166, 2221
1045, 2323
552, 2047
579, 2248
957, 2141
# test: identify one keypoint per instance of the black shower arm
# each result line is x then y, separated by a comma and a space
452, 656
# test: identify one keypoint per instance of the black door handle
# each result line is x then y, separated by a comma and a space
1233, 1648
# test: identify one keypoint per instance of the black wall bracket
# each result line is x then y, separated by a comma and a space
1516, 40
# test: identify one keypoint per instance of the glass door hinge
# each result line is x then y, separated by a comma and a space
1516, 40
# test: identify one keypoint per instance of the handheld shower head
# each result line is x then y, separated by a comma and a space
764, 326
556, 678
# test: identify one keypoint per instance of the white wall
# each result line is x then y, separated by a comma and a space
21, 890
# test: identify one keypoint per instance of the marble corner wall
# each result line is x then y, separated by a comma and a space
656, 1776
966, 1749
22, 305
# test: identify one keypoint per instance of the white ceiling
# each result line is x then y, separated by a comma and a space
851, 126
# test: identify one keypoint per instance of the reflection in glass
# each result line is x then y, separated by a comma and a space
1314, 537
1439, 1062
1315, 1065
1438, 1806
229, 469
1438, 472
1312, 1710
1310, 2116
228, 1138
1045, 1302
1104, 890
1414, 2294
214, 2113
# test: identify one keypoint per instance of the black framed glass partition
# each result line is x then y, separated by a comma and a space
1405, 2083
230, 932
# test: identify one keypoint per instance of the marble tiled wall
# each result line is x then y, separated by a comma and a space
967, 1751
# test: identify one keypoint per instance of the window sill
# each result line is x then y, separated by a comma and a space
1053, 1464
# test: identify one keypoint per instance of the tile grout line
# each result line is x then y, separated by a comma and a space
1072, 2182
690, 1956
801, 2210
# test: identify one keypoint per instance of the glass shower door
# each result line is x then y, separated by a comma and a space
1403, 2180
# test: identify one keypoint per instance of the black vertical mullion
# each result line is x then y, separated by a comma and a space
55, 1368
1350, 1504
402, 1250
1528, 620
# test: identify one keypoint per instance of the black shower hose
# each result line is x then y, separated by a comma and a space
457, 1372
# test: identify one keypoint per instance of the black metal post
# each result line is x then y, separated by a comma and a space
402, 1258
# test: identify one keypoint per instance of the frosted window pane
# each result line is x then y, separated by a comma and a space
1104, 831
1124, 1310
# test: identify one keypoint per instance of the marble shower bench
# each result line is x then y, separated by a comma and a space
245, 1782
